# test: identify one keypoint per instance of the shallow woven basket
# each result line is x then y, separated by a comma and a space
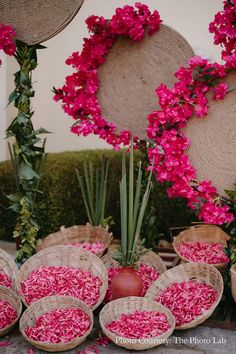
233, 281
14, 300
68, 257
28, 319
202, 233
114, 309
75, 234
185, 272
8, 265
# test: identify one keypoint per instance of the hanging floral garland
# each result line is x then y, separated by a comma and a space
7, 43
224, 29
170, 163
79, 93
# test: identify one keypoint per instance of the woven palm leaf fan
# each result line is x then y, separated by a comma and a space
213, 140
36, 21
133, 71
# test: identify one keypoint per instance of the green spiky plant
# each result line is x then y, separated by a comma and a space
132, 208
95, 192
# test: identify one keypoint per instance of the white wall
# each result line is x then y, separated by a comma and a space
190, 17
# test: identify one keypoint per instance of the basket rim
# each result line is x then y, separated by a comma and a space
16, 298
60, 249
12, 264
56, 297
206, 313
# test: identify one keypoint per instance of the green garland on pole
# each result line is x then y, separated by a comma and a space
26, 154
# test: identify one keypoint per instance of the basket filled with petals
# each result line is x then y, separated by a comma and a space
63, 270
191, 291
136, 323
10, 309
56, 323
203, 244
8, 270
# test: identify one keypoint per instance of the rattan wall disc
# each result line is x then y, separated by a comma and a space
213, 140
36, 21
133, 71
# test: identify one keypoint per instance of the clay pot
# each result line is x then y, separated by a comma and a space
126, 283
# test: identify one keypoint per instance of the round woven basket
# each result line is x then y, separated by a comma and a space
205, 273
77, 234
68, 257
213, 140
233, 281
8, 266
13, 299
133, 71
202, 233
114, 309
36, 21
28, 319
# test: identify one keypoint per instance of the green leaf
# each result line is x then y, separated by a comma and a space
26, 172
12, 97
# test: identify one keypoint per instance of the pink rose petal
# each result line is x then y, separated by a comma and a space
8, 314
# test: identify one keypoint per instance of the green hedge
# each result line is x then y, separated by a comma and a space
61, 202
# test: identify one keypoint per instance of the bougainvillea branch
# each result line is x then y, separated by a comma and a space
79, 93
170, 163
224, 29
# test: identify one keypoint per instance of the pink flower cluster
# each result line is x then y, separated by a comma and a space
59, 326
7, 43
188, 300
201, 252
224, 29
139, 325
146, 273
59, 280
94, 247
170, 163
8, 314
79, 93
5, 280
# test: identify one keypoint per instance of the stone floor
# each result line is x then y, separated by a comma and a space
199, 340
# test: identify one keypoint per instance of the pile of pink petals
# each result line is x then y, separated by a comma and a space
59, 280
140, 324
60, 325
147, 274
5, 280
188, 300
203, 252
94, 247
8, 314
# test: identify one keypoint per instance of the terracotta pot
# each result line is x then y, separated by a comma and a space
126, 283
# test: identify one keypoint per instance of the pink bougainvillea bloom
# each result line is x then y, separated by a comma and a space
188, 300
8, 314
59, 326
220, 91
59, 280
139, 325
211, 253
5, 280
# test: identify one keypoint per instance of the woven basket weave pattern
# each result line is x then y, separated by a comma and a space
14, 300
186, 272
233, 281
50, 303
68, 257
8, 265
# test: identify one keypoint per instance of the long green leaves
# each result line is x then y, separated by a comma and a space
93, 186
132, 210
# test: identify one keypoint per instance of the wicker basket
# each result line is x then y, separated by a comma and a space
233, 281
8, 265
46, 304
186, 272
14, 300
77, 234
203, 233
114, 309
65, 256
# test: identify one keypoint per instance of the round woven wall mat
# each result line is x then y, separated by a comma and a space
36, 21
133, 71
213, 140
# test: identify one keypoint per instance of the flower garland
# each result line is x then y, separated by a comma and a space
79, 93
7, 43
224, 29
170, 164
